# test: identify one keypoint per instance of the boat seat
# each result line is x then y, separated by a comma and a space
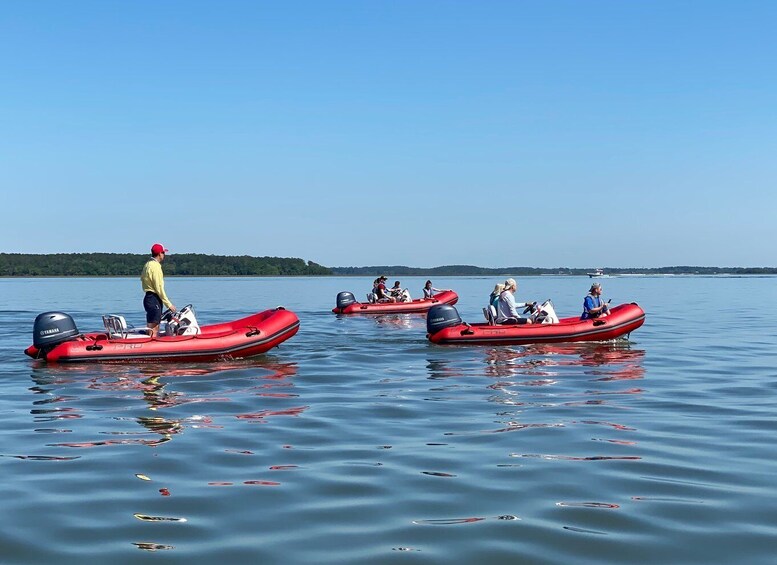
490, 314
116, 327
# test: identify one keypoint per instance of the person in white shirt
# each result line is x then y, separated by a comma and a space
507, 312
429, 290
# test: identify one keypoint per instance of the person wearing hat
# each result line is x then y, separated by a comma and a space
593, 307
507, 312
381, 292
153, 283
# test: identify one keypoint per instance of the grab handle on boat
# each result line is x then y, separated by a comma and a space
252, 332
600, 322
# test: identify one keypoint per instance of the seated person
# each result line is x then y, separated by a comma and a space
381, 292
593, 307
372, 296
493, 300
397, 293
507, 312
429, 290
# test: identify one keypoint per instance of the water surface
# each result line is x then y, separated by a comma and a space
359, 441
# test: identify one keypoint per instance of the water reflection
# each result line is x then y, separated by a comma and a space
150, 546
548, 365
442, 369
155, 385
607, 361
401, 320
611, 361
544, 380
407, 320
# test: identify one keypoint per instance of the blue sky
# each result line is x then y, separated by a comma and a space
421, 133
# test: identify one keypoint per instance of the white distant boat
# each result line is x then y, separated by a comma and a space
598, 274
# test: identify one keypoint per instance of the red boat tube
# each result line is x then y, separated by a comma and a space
445, 326
245, 337
346, 304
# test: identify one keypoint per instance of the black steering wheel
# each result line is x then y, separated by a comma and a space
168, 314
530, 308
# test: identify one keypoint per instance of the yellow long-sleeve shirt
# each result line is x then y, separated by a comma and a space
153, 280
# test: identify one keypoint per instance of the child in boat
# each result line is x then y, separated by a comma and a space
593, 307
493, 300
398, 294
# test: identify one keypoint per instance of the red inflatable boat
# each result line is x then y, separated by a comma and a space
56, 339
346, 304
445, 326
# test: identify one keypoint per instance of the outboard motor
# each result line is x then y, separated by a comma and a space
440, 317
52, 328
345, 299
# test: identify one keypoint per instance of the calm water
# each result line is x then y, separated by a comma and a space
358, 441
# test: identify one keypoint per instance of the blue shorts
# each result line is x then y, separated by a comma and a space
153, 305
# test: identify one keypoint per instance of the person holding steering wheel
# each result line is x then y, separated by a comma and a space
593, 305
153, 282
506, 311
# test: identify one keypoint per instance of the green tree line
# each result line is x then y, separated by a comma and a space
197, 264
128, 264
470, 270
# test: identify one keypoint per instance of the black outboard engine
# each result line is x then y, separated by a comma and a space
345, 299
52, 328
440, 317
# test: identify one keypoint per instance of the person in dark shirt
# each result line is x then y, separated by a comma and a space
381, 292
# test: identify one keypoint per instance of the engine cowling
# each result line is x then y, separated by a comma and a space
345, 299
440, 317
52, 328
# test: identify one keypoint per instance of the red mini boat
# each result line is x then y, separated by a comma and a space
346, 304
56, 339
445, 326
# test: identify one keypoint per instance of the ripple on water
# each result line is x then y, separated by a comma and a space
359, 441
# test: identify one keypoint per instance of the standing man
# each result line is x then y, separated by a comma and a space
153, 282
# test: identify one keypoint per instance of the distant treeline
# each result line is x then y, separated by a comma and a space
196, 264
470, 270
446, 270
127, 264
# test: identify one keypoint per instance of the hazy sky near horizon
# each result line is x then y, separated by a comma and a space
402, 132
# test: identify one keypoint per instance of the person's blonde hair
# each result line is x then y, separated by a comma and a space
510, 283
498, 288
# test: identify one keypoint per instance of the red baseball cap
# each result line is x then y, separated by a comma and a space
158, 248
